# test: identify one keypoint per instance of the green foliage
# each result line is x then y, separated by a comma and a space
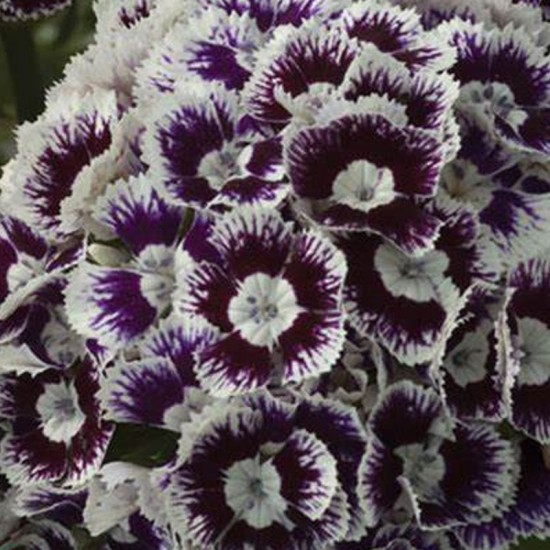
38, 53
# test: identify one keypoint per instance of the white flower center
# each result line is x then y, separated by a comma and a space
253, 491
60, 413
218, 166
264, 308
464, 183
466, 362
305, 106
495, 99
25, 270
534, 352
363, 186
413, 278
63, 345
424, 468
157, 281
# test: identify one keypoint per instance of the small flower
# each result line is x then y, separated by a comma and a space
439, 474
59, 148
54, 430
268, 469
276, 297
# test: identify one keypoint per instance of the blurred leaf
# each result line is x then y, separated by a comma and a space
141, 445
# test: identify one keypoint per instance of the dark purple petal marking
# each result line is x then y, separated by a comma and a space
378, 488
478, 466
317, 155
206, 291
251, 190
187, 143
109, 304
178, 340
142, 392
308, 473
136, 213
418, 412
293, 65
316, 270
311, 345
252, 241
233, 366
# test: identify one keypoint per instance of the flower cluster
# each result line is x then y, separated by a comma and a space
275, 274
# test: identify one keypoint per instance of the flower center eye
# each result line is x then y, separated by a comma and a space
256, 488
262, 309
363, 186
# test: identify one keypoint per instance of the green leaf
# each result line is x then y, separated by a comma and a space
142, 445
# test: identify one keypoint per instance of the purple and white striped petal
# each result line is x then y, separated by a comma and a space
54, 428
401, 301
252, 240
161, 388
59, 504
189, 144
217, 48
510, 195
294, 67
473, 385
135, 212
528, 353
255, 476
407, 414
274, 13
19, 10
339, 427
528, 514
490, 66
397, 31
114, 305
351, 173
233, 366
53, 151
478, 468
428, 96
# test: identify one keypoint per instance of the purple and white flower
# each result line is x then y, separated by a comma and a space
362, 171
56, 151
54, 429
406, 303
419, 465
265, 470
490, 65
202, 153
527, 325
276, 297
161, 388
114, 304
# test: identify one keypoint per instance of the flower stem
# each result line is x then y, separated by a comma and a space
24, 70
